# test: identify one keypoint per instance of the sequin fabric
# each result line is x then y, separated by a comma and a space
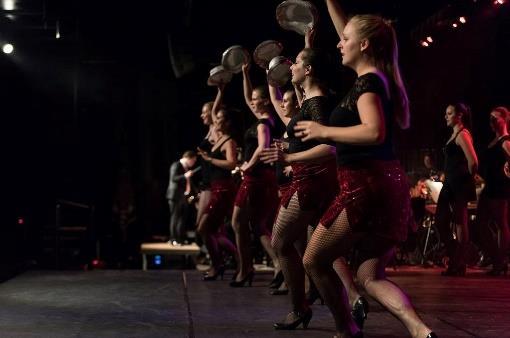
316, 185
376, 196
222, 201
260, 192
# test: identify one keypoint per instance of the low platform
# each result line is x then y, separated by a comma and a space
167, 249
170, 303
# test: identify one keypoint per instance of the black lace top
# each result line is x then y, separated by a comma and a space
346, 114
316, 109
497, 185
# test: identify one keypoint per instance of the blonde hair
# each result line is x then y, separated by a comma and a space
383, 51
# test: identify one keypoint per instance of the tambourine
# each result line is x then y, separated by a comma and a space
219, 75
265, 52
234, 57
297, 15
279, 72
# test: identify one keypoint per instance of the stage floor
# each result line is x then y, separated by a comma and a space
156, 303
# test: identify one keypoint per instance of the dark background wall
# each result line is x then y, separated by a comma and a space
124, 85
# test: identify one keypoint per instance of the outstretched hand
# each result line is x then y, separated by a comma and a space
309, 130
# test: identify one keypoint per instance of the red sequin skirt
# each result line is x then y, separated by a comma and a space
376, 197
315, 184
260, 193
221, 202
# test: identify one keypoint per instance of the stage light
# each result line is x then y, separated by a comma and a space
424, 43
454, 25
8, 48
57, 30
9, 5
462, 19
429, 39
157, 260
499, 2
21, 221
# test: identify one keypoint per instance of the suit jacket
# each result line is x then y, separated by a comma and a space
177, 182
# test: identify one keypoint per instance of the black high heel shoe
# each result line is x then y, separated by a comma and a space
360, 311
219, 272
277, 280
302, 318
432, 335
248, 278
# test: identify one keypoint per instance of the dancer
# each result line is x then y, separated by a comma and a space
313, 184
222, 159
493, 204
461, 165
372, 211
206, 145
257, 198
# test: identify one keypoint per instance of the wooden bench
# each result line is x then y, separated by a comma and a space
188, 250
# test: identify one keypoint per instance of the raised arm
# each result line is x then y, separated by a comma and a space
337, 15
247, 87
276, 100
217, 102
299, 94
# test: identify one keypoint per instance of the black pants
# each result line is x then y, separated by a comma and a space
178, 214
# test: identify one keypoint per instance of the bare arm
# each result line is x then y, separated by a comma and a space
337, 15
316, 154
465, 142
263, 138
230, 153
506, 148
247, 87
299, 94
218, 101
371, 130
320, 151
276, 100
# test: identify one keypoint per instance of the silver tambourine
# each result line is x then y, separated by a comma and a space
266, 51
234, 58
297, 15
218, 75
279, 72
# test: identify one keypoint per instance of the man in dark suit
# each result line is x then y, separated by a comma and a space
178, 187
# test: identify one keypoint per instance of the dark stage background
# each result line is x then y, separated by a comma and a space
122, 89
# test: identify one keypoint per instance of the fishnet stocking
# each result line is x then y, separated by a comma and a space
328, 244
325, 246
290, 227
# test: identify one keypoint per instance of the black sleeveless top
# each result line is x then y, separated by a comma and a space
497, 185
251, 142
217, 173
316, 109
456, 170
346, 114
205, 178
